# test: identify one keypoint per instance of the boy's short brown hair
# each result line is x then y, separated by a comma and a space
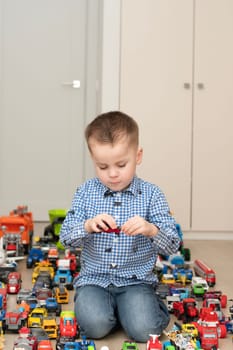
110, 127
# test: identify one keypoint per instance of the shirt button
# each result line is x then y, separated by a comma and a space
113, 266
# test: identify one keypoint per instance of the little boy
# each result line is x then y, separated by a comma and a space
121, 222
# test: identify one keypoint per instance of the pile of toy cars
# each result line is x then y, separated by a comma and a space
187, 288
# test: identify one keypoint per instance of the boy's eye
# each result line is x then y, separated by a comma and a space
122, 165
103, 167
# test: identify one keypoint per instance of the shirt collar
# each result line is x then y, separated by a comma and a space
134, 188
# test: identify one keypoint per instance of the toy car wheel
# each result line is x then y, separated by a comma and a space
223, 301
222, 331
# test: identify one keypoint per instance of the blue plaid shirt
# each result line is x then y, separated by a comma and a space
108, 258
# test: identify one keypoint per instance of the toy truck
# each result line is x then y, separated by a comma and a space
19, 223
50, 326
52, 231
203, 270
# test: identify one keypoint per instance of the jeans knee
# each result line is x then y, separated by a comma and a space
96, 328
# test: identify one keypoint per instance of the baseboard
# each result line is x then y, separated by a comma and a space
197, 235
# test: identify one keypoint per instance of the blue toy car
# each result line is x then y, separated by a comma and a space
52, 306
35, 255
63, 277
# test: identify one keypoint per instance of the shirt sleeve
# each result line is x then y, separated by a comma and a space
167, 240
72, 231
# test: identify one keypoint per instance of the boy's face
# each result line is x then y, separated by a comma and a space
115, 165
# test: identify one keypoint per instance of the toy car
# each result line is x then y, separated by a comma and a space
153, 343
52, 231
23, 294
186, 310
20, 224
14, 282
36, 316
35, 255
84, 344
53, 256
168, 278
129, 345
49, 324
61, 294
198, 290
45, 345
170, 299
217, 294
68, 325
214, 304
200, 280
40, 270
14, 320
32, 302
43, 295
39, 333
189, 328
29, 343
182, 275
62, 340
181, 291
63, 277
52, 306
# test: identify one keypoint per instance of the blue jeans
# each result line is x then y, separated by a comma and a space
136, 308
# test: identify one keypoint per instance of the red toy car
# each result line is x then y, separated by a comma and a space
216, 294
45, 345
154, 343
68, 325
14, 320
186, 310
14, 282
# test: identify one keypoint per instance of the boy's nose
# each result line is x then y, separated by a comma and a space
113, 172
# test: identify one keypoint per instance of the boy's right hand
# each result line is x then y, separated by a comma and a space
100, 223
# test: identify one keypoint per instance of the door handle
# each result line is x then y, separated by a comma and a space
187, 86
74, 84
200, 86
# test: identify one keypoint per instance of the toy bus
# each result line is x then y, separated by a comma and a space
204, 271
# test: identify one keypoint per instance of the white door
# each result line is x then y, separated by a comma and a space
43, 92
213, 117
156, 88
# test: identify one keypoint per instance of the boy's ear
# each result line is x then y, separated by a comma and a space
139, 155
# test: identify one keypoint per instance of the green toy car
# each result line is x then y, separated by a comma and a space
129, 345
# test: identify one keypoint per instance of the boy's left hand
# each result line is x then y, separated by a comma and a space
137, 225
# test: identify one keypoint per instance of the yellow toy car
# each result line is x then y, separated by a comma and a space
36, 317
168, 278
61, 294
190, 329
